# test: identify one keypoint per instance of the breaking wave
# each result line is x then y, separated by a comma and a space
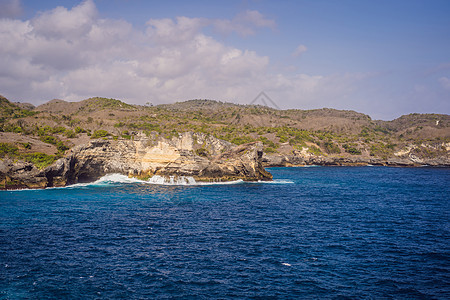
109, 179
112, 179
116, 179
278, 181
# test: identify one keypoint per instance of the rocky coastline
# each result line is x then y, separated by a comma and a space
409, 160
202, 157
60, 143
196, 155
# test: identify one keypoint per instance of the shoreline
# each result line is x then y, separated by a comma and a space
218, 182
295, 160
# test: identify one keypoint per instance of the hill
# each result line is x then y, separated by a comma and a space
10, 110
320, 135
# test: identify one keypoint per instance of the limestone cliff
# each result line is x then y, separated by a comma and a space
198, 155
425, 154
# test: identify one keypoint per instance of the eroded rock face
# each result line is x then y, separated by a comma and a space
242, 162
405, 160
20, 175
429, 154
143, 157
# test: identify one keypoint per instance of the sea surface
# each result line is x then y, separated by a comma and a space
313, 233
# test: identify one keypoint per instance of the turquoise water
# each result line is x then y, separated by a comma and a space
321, 232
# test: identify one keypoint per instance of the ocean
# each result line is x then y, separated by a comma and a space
312, 233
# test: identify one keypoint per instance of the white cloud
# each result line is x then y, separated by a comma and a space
63, 23
10, 8
166, 31
299, 50
244, 23
73, 54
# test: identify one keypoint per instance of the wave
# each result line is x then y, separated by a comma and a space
184, 180
114, 179
275, 181
170, 180
278, 181
108, 179
306, 166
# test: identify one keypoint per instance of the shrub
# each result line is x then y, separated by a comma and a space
126, 134
78, 129
8, 149
61, 147
283, 139
59, 129
381, 149
315, 150
269, 150
242, 140
352, 149
18, 129
331, 147
171, 134
100, 133
49, 139
26, 145
74, 122
70, 134
268, 142
364, 132
43, 131
202, 152
40, 160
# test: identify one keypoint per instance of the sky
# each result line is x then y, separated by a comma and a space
384, 58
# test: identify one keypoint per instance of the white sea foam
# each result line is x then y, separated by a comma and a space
172, 180
111, 179
306, 166
221, 182
184, 180
107, 180
278, 181
156, 179
275, 181
117, 178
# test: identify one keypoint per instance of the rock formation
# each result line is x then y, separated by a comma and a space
203, 157
411, 156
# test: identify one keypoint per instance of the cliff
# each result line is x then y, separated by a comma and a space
425, 154
202, 157
100, 135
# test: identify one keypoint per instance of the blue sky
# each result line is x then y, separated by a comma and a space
382, 58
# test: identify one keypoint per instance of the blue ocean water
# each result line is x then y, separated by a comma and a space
318, 232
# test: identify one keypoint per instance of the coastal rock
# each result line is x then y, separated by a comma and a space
242, 162
425, 154
203, 157
411, 160
20, 175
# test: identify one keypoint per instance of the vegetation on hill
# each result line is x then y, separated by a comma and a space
326, 132
40, 160
9, 110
